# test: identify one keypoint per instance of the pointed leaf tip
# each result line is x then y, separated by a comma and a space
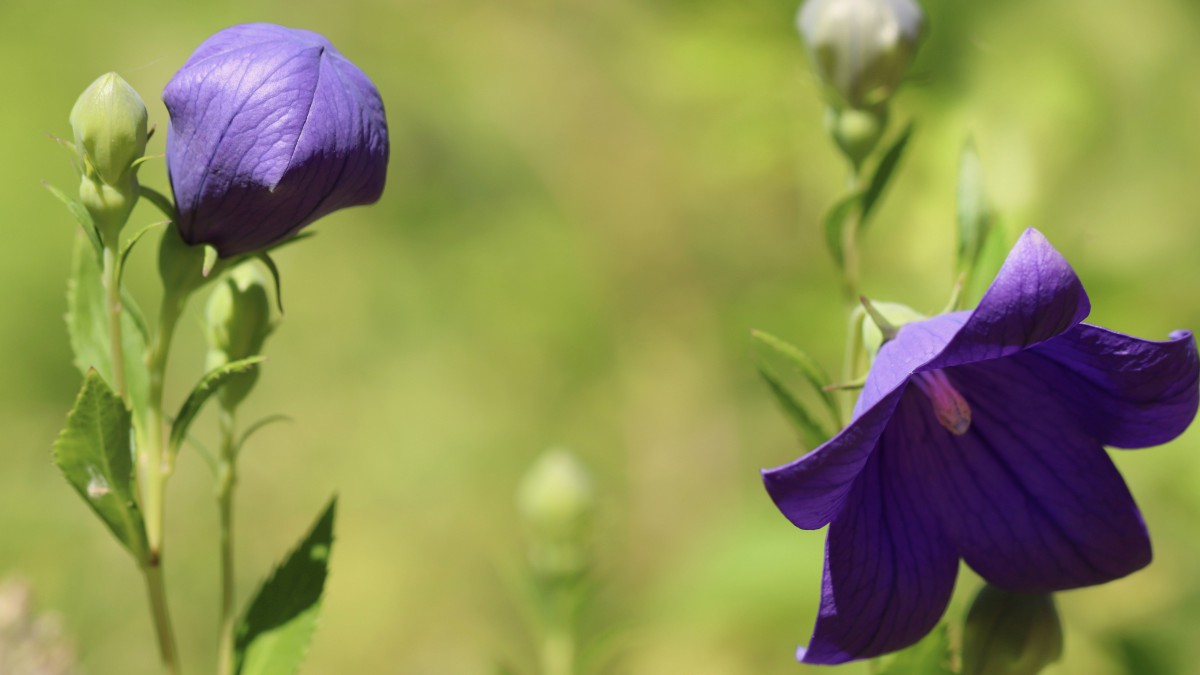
274, 633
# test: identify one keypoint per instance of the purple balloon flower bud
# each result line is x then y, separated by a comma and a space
271, 128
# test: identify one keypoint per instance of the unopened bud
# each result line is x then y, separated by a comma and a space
556, 501
109, 123
237, 323
180, 266
1011, 633
893, 315
861, 48
856, 132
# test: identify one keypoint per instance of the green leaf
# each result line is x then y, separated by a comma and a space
274, 270
883, 174
87, 326
273, 635
974, 216
94, 454
208, 385
127, 247
835, 224
992, 255
80, 212
812, 433
159, 200
930, 656
254, 428
807, 365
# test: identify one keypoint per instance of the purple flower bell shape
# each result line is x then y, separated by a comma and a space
980, 435
271, 128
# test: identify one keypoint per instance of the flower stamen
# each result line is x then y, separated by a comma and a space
949, 406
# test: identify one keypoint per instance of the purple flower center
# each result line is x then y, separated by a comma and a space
949, 406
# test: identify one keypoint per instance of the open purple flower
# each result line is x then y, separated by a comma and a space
979, 435
271, 128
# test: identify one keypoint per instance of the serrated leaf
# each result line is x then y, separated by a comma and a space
883, 175
930, 656
273, 636
835, 225
812, 433
807, 365
159, 200
80, 212
205, 388
93, 452
87, 326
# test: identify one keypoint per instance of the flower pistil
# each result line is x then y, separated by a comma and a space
949, 406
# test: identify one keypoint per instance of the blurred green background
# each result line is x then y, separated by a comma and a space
590, 204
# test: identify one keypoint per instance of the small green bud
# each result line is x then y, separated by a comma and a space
237, 323
856, 132
109, 120
895, 314
861, 48
180, 266
556, 501
1011, 633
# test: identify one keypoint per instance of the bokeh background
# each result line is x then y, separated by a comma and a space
590, 204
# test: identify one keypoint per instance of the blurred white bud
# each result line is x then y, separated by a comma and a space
861, 48
556, 501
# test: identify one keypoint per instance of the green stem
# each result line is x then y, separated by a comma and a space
226, 480
112, 306
850, 259
558, 653
162, 617
154, 466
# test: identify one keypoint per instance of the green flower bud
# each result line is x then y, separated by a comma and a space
856, 132
237, 323
109, 121
861, 48
894, 314
1011, 633
181, 267
556, 501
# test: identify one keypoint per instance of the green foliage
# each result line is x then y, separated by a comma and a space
930, 656
812, 432
883, 175
87, 325
93, 452
273, 635
992, 255
274, 270
205, 388
81, 215
862, 202
805, 364
159, 200
127, 247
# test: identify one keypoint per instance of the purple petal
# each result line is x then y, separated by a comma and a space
271, 128
1125, 391
811, 490
889, 568
1030, 498
1035, 297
